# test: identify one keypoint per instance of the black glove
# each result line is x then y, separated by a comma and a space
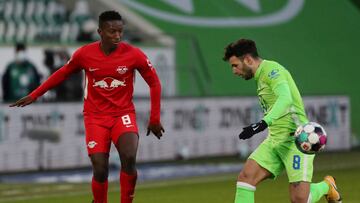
252, 129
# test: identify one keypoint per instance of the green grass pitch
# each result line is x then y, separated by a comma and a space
208, 189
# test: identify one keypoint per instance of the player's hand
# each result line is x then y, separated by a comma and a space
23, 102
252, 129
156, 129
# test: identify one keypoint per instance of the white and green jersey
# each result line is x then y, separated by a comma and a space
280, 100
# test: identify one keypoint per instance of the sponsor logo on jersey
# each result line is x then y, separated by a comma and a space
93, 69
122, 69
274, 74
109, 83
91, 144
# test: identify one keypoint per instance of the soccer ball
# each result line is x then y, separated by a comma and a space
310, 138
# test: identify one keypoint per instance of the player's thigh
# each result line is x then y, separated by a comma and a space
253, 173
266, 156
98, 138
127, 145
299, 192
298, 166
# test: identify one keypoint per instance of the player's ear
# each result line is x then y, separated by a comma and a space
248, 60
99, 31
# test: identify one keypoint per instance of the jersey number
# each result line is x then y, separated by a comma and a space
296, 162
126, 120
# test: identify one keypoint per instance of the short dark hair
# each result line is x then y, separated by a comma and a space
240, 48
109, 16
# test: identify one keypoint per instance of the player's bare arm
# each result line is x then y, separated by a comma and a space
23, 102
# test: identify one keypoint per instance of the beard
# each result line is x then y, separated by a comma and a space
248, 74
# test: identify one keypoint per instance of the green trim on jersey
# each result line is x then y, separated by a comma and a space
280, 99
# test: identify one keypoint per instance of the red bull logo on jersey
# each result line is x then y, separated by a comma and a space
109, 83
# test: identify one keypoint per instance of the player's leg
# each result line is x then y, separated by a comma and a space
125, 133
312, 192
127, 147
299, 192
98, 146
299, 168
326, 187
261, 164
250, 176
99, 183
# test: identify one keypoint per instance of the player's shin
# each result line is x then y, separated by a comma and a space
318, 190
244, 193
99, 191
127, 186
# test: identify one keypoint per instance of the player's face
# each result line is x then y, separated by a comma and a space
240, 68
111, 32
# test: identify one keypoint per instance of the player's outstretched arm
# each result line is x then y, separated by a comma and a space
23, 102
156, 129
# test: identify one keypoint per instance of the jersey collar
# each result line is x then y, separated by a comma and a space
258, 71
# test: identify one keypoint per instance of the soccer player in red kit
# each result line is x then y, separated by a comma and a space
109, 113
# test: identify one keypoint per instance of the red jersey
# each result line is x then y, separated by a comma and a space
109, 79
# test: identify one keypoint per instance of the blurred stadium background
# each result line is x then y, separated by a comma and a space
42, 152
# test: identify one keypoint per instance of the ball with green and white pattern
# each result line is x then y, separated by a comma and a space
310, 138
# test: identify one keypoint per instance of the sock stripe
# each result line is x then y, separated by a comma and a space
309, 199
245, 186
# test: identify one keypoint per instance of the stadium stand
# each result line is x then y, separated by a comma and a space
54, 21
317, 44
39, 21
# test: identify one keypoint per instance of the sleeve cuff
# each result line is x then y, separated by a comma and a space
32, 95
267, 121
154, 121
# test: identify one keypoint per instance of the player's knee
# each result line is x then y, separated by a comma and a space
129, 158
298, 198
128, 162
100, 173
244, 176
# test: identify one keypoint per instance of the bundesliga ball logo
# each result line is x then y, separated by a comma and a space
310, 138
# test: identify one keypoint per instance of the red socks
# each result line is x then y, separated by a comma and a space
127, 187
99, 191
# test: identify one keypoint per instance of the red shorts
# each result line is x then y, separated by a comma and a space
101, 130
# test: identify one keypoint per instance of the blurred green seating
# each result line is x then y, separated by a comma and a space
38, 21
